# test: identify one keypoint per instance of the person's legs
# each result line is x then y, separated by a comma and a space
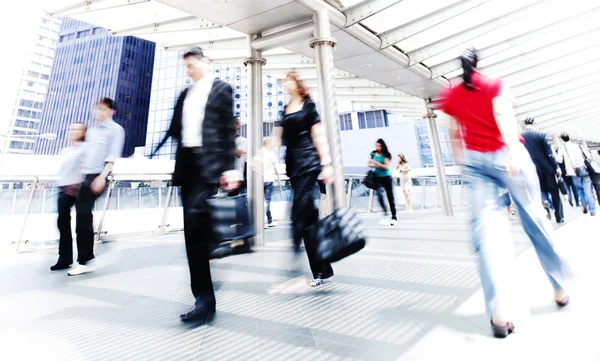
380, 190
65, 243
597, 189
491, 235
305, 217
582, 185
406, 192
526, 194
85, 222
389, 190
552, 186
573, 192
588, 196
268, 192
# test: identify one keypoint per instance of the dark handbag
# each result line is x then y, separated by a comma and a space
590, 165
562, 186
370, 180
230, 217
340, 234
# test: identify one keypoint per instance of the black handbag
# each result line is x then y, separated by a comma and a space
340, 234
370, 180
591, 166
230, 217
562, 186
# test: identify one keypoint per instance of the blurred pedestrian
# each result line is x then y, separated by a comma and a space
103, 145
307, 156
546, 166
205, 129
269, 160
379, 160
495, 157
69, 182
405, 180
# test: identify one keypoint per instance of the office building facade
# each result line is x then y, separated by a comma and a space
90, 64
24, 121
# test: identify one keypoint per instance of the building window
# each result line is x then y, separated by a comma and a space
244, 130
267, 129
346, 121
83, 34
372, 119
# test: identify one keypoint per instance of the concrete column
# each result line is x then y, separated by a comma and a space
256, 196
323, 44
438, 162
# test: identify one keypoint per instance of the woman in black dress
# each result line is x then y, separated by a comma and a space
307, 156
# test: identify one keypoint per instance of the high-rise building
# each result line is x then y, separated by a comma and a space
24, 120
90, 64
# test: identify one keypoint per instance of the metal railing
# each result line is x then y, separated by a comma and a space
146, 204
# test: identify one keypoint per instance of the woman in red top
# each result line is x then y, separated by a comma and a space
493, 157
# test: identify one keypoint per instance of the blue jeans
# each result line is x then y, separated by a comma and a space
484, 172
268, 192
584, 189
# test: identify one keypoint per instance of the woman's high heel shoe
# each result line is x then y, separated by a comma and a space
502, 331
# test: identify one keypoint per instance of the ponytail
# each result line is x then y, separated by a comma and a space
469, 64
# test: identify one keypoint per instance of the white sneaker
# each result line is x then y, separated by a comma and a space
83, 268
273, 224
319, 282
384, 222
394, 222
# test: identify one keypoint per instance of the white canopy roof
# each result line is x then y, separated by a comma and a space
393, 53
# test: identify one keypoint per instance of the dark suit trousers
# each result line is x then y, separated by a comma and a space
65, 244
548, 184
198, 231
85, 220
305, 220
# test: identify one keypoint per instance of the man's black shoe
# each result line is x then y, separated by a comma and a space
198, 313
560, 221
60, 265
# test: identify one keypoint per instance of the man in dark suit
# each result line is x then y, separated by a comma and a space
203, 125
541, 153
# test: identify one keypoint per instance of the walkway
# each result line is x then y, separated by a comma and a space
412, 294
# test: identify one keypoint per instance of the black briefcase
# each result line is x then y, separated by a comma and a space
230, 217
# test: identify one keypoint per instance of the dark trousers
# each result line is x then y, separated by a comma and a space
385, 183
597, 189
305, 220
268, 193
85, 221
548, 184
197, 226
65, 242
571, 189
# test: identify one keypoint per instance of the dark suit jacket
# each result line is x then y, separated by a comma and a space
218, 134
540, 151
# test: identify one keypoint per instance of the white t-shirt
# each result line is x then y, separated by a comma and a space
269, 161
241, 143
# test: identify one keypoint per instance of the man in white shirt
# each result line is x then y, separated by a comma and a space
203, 125
269, 161
574, 157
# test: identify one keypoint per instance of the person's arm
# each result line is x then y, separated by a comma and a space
384, 165
505, 118
114, 152
455, 140
231, 178
320, 140
559, 155
242, 147
550, 154
171, 130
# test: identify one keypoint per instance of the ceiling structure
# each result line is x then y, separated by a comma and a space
392, 54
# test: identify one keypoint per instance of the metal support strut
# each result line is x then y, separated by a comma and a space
323, 44
256, 193
438, 161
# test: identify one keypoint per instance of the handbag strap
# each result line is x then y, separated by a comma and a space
568, 155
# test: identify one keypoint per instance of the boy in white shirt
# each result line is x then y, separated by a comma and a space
269, 161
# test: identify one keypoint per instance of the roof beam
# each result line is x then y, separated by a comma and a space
576, 117
455, 40
290, 58
347, 83
284, 37
575, 107
181, 24
395, 105
370, 91
379, 98
279, 71
538, 86
578, 87
365, 9
92, 5
405, 31
223, 44
574, 22
557, 106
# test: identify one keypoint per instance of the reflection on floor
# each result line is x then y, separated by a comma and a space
412, 294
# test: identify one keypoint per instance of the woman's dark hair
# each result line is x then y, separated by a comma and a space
302, 89
469, 61
384, 149
565, 137
402, 158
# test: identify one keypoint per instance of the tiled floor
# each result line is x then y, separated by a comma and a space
412, 294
